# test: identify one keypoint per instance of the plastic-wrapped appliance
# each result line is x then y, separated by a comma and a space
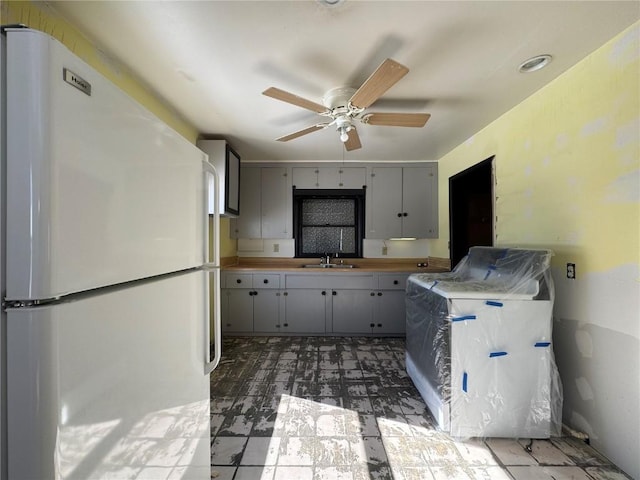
479, 345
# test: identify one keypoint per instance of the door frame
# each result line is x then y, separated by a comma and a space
464, 173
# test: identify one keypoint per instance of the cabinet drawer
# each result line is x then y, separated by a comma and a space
239, 280
330, 281
392, 282
266, 281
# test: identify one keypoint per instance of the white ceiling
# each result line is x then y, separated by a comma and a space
211, 60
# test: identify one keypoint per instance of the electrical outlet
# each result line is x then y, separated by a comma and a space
276, 247
571, 271
384, 250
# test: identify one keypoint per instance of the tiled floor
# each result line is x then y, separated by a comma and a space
318, 408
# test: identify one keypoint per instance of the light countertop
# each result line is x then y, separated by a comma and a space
391, 265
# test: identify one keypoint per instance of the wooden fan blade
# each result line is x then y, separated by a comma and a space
385, 76
353, 143
294, 100
300, 133
398, 119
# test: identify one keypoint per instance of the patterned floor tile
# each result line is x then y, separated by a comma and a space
329, 408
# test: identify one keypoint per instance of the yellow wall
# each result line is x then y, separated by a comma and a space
40, 16
567, 172
567, 162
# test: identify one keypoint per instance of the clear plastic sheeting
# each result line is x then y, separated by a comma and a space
479, 345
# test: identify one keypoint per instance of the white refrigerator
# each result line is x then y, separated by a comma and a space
107, 273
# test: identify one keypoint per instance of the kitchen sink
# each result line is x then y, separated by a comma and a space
329, 265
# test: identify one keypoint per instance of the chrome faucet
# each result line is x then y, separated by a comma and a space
325, 259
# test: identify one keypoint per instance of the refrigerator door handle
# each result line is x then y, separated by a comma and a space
212, 265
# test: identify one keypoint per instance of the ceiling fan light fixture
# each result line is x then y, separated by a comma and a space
344, 127
535, 63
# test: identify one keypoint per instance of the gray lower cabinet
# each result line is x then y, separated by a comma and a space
304, 311
362, 304
250, 302
237, 310
266, 311
352, 311
389, 313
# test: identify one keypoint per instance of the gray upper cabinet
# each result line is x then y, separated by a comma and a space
402, 202
265, 196
227, 164
329, 177
277, 206
248, 224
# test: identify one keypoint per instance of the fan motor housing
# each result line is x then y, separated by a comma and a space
338, 97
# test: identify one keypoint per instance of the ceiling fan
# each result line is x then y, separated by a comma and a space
344, 106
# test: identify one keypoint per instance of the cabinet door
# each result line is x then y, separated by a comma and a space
328, 177
277, 213
352, 311
238, 314
304, 311
305, 177
248, 224
352, 177
418, 202
266, 310
384, 203
390, 312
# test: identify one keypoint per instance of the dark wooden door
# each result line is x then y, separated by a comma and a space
470, 209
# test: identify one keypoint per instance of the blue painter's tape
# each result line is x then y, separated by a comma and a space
494, 304
464, 382
504, 253
542, 344
491, 268
434, 284
497, 354
461, 319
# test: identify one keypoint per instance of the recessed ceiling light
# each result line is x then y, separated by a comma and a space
534, 63
330, 3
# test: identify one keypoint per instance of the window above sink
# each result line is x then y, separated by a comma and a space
328, 222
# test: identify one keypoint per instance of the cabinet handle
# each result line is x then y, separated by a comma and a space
399, 215
380, 325
395, 282
285, 294
324, 293
285, 324
256, 293
265, 280
379, 294
334, 293
238, 281
372, 325
373, 294
405, 214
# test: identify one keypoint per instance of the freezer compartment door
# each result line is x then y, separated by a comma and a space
99, 190
112, 386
